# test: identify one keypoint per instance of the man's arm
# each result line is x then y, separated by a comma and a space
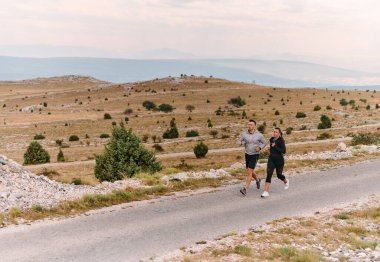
262, 141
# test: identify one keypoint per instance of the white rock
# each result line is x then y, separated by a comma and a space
342, 147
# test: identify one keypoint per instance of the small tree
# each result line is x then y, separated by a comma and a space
60, 156
317, 108
39, 137
277, 113
107, 116
200, 150
36, 154
237, 101
172, 131
214, 133
190, 108
73, 138
165, 108
149, 105
124, 156
192, 133
300, 115
209, 124
325, 122
343, 102
244, 115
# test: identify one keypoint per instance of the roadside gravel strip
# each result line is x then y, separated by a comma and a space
147, 230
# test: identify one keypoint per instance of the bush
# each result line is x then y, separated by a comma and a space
158, 147
39, 137
59, 142
165, 108
104, 136
192, 133
60, 156
317, 108
171, 132
128, 111
214, 133
377, 106
76, 181
325, 122
328, 107
343, 102
73, 138
124, 156
289, 130
261, 128
190, 108
200, 150
277, 113
300, 115
368, 107
365, 139
209, 123
36, 154
237, 101
107, 116
324, 136
149, 105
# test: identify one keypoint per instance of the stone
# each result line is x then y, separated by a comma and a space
342, 147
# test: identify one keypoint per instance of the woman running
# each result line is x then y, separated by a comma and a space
276, 160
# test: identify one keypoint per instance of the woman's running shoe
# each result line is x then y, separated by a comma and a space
265, 194
286, 184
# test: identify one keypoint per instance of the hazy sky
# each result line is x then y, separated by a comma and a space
344, 33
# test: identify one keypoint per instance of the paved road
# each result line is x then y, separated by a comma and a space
128, 234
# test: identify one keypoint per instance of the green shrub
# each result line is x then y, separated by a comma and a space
300, 115
59, 142
36, 154
60, 156
128, 111
124, 156
365, 139
237, 101
377, 106
343, 102
200, 150
325, 122
328, 107
39, 137
165, 108
368, 107
76, 181
192, 133
190, 108
289, 130
209, 123
73, 138
317, 108
244, 115
107, 116
149, 105
172, 131
277, 113
104, 136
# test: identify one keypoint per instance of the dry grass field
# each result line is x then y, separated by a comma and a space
71, 105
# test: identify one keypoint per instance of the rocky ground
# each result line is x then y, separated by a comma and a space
23, 189
349, 233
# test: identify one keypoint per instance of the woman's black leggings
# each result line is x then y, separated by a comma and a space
275, 163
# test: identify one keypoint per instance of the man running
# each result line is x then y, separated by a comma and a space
254, 142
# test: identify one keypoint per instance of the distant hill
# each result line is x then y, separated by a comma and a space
274, 73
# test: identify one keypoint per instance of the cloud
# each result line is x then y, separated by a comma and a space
208, 28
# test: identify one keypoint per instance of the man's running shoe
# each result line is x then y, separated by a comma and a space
243, 191
265, 194
258, 183
286, 184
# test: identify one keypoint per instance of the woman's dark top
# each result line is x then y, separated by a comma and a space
278, 150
